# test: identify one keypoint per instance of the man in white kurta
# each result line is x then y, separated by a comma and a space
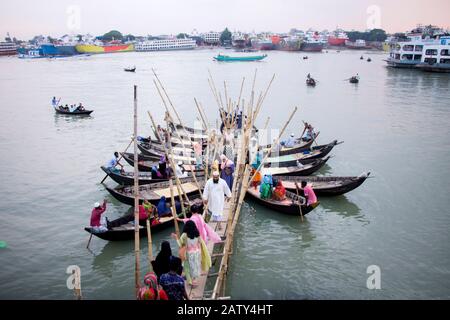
216, 189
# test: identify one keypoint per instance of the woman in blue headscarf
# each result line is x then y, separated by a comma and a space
162, 208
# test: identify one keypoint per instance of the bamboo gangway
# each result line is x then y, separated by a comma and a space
229, 111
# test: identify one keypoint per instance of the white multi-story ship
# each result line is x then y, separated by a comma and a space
8, 49
422, 46
165, 44
436, 57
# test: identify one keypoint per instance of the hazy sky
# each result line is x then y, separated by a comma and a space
24, 19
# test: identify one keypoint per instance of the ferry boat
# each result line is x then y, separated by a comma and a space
8, 49
436, 57
166, 44
407, 52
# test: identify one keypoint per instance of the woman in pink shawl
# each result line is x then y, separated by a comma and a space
206, 232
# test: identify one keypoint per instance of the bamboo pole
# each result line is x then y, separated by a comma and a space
240, 92
299, 205
150, 244
267, 122
120, 158
264, 96
181, 140
201, 115
273, 144
174, 209
204, 114
136, 199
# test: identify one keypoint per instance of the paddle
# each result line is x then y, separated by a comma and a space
120, 158
87, 246
300, 205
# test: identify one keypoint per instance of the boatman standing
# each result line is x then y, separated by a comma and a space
54, 101
216, 189
96, 215
310, 196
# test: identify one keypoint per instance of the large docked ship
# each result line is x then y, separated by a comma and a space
58, 50
264, 44
424, 46
436, 57
100, 48
357, 45
311, 44
8, 49
166, 44
291, 43
337, 38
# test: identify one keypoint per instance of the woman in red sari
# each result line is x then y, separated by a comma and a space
279, 193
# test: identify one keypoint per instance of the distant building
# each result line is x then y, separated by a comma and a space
211, 37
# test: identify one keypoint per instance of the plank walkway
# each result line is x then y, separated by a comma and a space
198, 292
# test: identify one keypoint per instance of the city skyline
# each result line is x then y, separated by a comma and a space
24, 19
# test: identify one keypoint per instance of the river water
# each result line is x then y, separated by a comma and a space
394, 123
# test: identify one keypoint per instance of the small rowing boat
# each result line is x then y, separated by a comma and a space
289, 206
326, 186
154, 192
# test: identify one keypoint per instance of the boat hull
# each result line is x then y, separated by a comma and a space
90, 48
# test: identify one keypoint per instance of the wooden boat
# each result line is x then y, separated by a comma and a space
240, 58
305, 58
304, 170
75, 113
325, 186
300, 147
130, 69
154, 192
156, 149
319, 151
127, 178
290, 206
190, 129
368, 59
126, 231
146, 163
305, 157
311, 82
354, 80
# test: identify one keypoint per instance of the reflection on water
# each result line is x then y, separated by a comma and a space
342, 206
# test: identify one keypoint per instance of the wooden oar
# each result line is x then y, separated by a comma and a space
120, 158
87, 246
300, 205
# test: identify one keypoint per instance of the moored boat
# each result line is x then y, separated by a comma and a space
154, 192
325, 186
127, 231
290, 206
304, 157
127, 178
299, 170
